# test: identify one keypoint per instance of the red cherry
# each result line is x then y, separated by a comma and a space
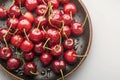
58, 65
19, 2
54, 3
36, 35
57, 50
68, 43
17, 40
45, 58
5, 53
41, 10
57, 11
3, 13
38, 48
67, 19
4, 31
26, 46
29, 16
28, 56
41, 1
13, 22
70, 56
30, 68
70, 8
66, 32
31, 4
77, 28
14, 11
24, 24
13, 63
64, 1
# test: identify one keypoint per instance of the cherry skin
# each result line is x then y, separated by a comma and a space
3, 13
57, 50
67, 19
12, 21
41, 1
41, 10
68, 43
17, 40
30, 68
66, 31
19, 2
58, 65
45, 58
13, 63
57, 11
70, 8
70, 56
14, 11
24, 24
4, 31
31, 5
29, 16
64, 1
77, 28
36, 35
54, 3
28, 56
39, 49
5, 53
26, 46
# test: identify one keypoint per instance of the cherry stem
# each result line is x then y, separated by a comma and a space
23, 61
46, 42
11, 4
71, 15
85, 20
15, 31
25, 34
34, 73
45, 11
44, 2
21, 8
80, 55
48, 48
38, 24
62, 74
60, 39
17, 53
43, 29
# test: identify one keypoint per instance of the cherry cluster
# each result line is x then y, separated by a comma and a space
44, 29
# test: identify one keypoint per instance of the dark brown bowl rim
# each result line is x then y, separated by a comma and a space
86, 53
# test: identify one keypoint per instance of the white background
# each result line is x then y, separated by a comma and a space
103, 61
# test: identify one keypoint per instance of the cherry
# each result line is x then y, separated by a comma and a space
45, 58
13, 63
3, 13
57, 50
26, 46
36, 35
42, 1
70, 8
19, 2
69, 43
41, 10
14, 11
66, 32
64, 1
24, 25
31, 4
17, 40
70, 56
28, 56
57, 11
4, 31
29, 16
13, 21
5, 53
38, 48
77, 28
54, 3
30, 68
67, 19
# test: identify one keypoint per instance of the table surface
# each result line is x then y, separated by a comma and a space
102, 62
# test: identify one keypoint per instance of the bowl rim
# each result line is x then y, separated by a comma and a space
82, 60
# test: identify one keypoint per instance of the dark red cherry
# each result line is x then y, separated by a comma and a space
45, 58
17, 40
58, 65
70, 8
14, 11
64, 1
54, 3
3, 13
31, 5
38, 48
57, 50
67, 19
68, 43
70, 56
36, 35
19, 2
77, 28
5, 53
30, 68
13, 63
12, 21
28, 56
41, 10
41, 1
26, 46
66, 32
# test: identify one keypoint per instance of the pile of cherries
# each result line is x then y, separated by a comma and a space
44, 30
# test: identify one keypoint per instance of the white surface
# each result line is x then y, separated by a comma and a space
103, 62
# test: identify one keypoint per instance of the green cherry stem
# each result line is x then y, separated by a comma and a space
85, 20
62, 74
46, 42
43, 29
26, 34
